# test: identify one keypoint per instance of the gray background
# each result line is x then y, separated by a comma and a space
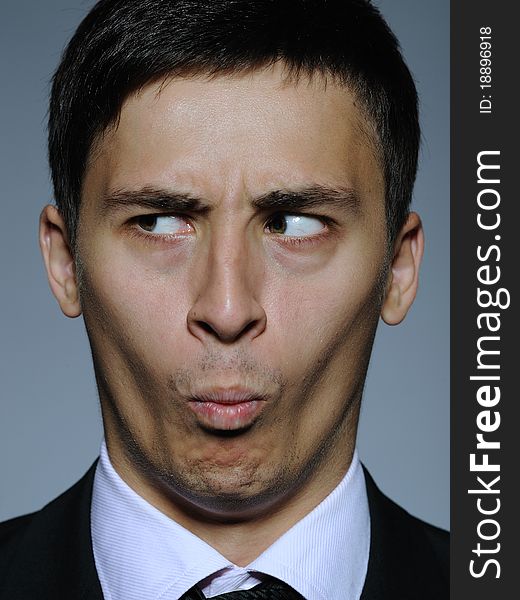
50, 425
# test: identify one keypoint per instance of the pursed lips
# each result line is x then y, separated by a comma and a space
227, 409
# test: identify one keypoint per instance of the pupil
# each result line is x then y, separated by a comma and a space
278, 224
147, 222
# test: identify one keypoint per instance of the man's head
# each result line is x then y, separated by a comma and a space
233, 181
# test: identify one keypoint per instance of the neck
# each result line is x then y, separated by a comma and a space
241, 538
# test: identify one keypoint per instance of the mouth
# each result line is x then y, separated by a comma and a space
228, 410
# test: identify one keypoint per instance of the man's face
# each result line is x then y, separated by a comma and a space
232, 245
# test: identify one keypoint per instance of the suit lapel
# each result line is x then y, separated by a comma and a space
54, 558
402, 563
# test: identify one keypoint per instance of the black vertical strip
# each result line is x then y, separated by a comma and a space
485, 120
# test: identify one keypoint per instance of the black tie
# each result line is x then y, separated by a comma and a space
273, 589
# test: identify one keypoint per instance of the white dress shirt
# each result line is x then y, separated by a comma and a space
141, 554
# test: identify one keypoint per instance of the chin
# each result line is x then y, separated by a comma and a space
233, 504
224, 492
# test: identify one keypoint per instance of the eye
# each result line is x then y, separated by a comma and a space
163, 224
294, 225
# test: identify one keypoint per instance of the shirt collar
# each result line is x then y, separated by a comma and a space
141, 554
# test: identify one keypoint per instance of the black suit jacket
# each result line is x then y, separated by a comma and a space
48, 555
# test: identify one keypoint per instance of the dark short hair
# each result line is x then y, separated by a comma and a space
122, 45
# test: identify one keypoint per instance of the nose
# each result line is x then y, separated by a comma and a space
225, 306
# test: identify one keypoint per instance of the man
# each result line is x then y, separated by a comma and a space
233, 181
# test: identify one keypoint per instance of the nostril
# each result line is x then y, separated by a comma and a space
206, 327
248, 327
225, 334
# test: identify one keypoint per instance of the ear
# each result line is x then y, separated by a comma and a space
404, 274
59, 261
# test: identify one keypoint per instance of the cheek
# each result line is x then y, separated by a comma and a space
137, 312
309, 312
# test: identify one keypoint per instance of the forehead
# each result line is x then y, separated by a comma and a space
249, 132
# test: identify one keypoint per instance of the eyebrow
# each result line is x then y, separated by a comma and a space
154, 199
167, 200
310, 197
